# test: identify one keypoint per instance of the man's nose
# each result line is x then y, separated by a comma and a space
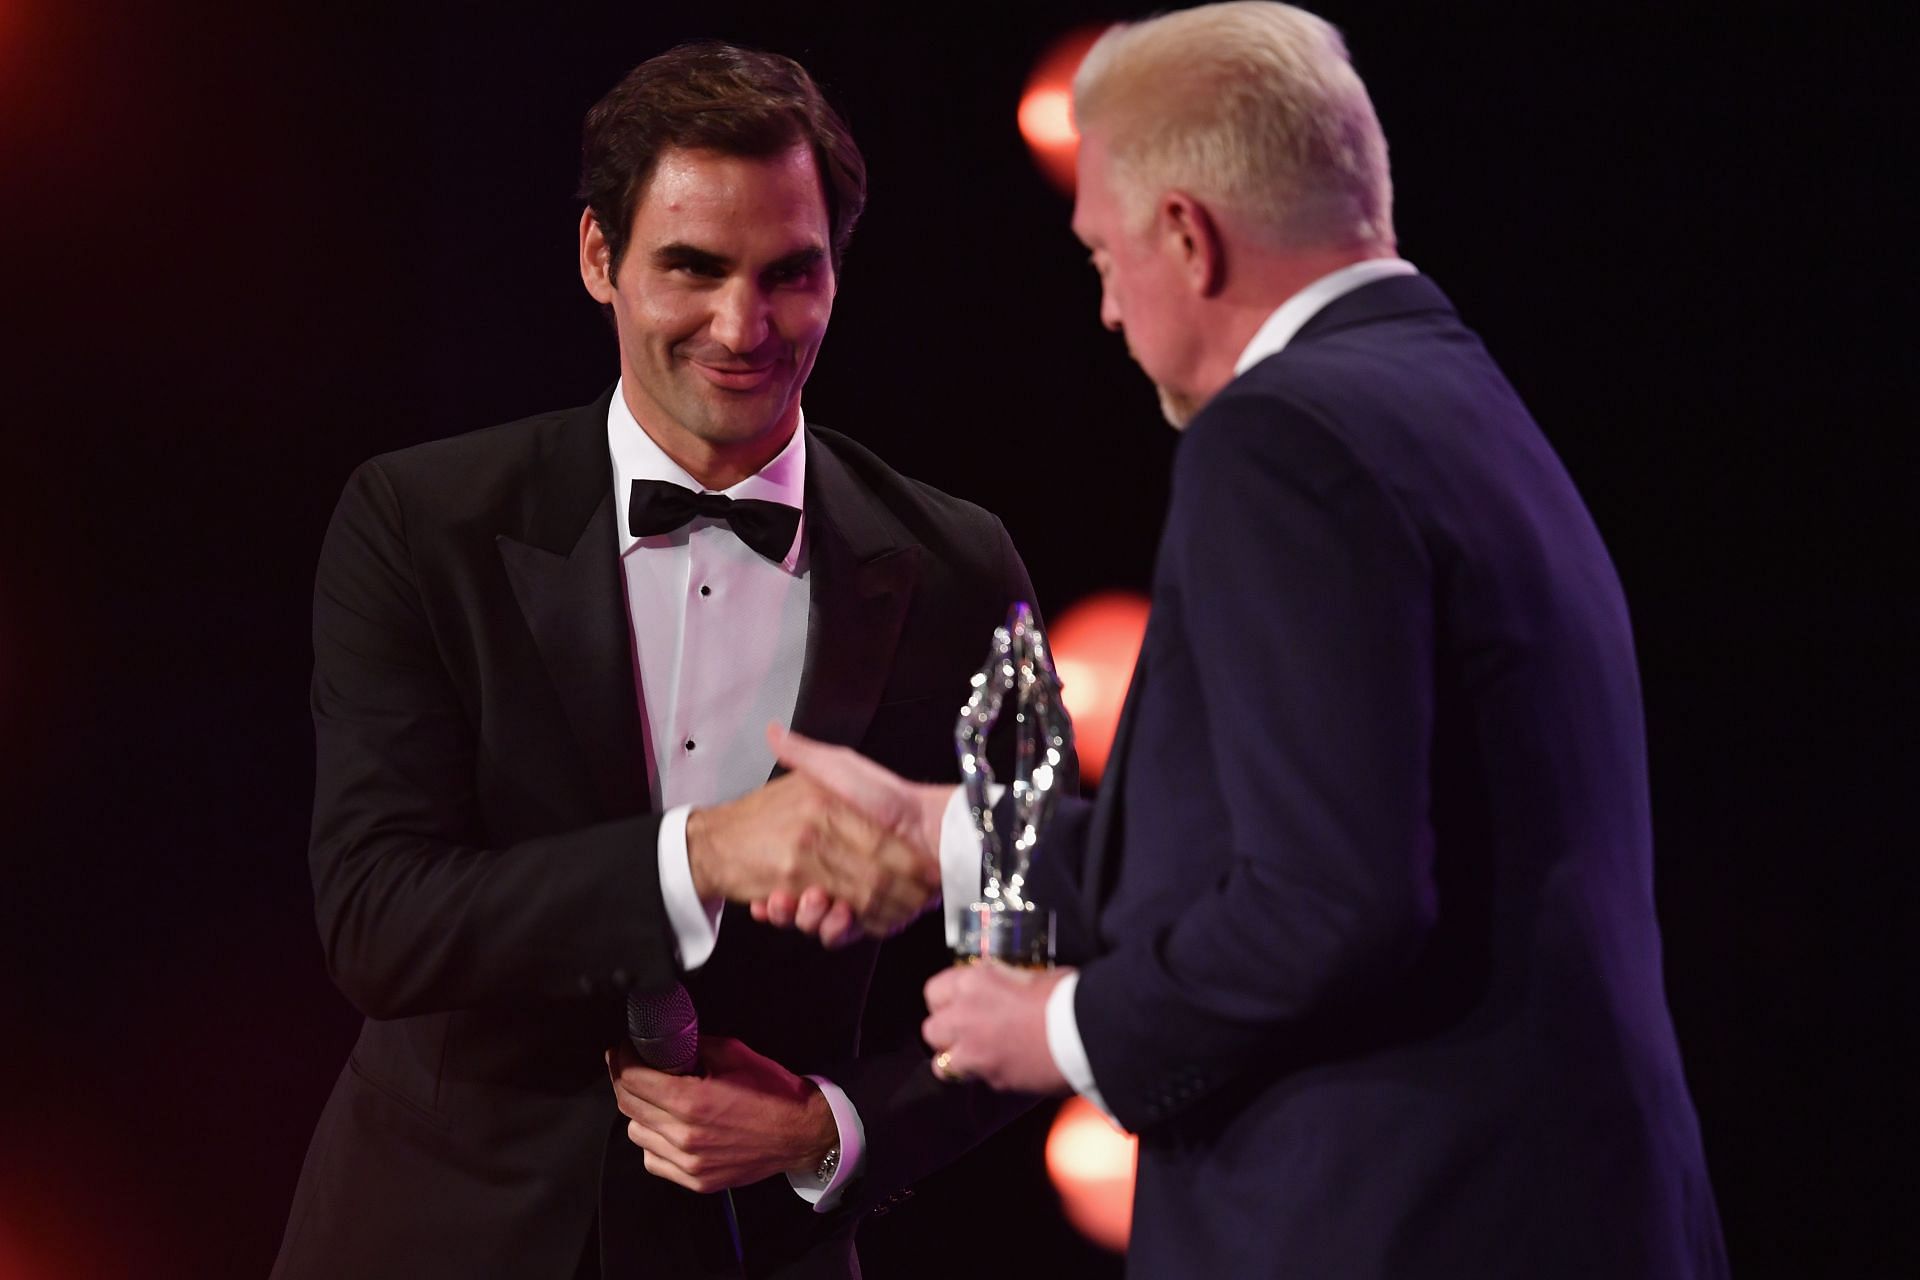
741, 317
1109, 310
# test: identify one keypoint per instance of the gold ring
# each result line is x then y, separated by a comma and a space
943, 1067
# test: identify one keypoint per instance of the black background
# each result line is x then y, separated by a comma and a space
244, 251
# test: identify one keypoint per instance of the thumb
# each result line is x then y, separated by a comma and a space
860, 782
794, 750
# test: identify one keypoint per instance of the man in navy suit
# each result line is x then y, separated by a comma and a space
1370, 959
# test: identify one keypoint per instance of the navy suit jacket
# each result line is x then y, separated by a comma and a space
1375, 971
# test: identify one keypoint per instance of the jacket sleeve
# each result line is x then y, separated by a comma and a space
1304, 597
417, 911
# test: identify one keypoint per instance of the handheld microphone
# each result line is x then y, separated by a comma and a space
664, 1029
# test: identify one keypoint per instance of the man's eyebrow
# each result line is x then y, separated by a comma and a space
679, 254
800, 259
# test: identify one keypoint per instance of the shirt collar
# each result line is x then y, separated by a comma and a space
1292, 315
637, 457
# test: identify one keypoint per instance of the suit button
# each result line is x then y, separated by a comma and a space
621, 979
586, 984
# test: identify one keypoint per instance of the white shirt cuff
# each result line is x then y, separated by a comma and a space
1064, 1043
960, 858
696, 924
825, 1196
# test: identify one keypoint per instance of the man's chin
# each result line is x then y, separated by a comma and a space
740, 418
1177, 409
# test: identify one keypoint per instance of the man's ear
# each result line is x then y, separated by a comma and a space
596, 259
1190, 234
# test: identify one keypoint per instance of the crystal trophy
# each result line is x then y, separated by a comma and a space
1004, 925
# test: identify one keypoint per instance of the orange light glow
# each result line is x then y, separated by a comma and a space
1046, 107
1091, 1164
1046, 118
1095, 644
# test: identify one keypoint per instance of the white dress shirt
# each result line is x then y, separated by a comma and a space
960, 843
719, 640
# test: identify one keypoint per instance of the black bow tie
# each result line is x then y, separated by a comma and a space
660, 506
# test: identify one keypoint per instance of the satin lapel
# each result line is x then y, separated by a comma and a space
861, 572
566, 577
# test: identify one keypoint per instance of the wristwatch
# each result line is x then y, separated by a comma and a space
823, 1172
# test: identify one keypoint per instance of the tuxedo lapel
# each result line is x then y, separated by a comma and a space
565, 574
862, 569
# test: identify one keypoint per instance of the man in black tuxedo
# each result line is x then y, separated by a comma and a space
544, 658
1365, 906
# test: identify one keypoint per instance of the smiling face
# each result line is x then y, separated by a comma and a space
720, 303
1144, 295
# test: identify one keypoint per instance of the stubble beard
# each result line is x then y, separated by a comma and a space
723, 419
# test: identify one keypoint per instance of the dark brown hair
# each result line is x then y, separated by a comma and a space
715, 97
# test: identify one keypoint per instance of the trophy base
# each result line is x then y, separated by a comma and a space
1019, 936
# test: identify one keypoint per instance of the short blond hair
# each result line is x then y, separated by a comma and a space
1249, 105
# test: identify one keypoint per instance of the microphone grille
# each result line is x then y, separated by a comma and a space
664, 1029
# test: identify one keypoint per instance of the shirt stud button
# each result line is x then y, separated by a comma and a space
706, 591
689, 744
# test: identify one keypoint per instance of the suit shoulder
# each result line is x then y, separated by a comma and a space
933, 516
1259, 419
1273, 441
1369, 392
506, 448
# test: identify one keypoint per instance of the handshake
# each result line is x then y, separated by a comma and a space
839, 847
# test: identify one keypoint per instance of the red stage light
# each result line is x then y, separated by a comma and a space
1095, 644
1046, 118
1046, 107
1091, 1164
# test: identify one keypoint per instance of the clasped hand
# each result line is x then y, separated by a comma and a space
806, 853
894, 815
989, 1020
744, 1118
